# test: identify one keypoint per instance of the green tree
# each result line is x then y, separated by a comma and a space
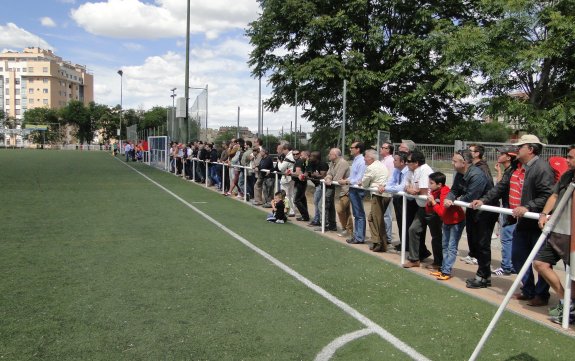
384, 49
75, 113
154, 118
524, 58
44, 116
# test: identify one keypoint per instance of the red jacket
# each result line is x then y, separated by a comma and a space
451, 215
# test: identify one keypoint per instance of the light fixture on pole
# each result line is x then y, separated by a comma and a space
121, 73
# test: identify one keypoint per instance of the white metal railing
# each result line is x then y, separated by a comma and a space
530, 215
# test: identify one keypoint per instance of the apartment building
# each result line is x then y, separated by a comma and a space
37, 77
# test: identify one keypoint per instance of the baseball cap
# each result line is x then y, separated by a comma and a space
509, 149
528, 139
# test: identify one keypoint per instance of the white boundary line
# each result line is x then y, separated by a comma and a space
330, 350
372, 326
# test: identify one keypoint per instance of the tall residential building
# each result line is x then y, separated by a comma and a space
38, 78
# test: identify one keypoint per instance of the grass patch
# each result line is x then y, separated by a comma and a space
100, 264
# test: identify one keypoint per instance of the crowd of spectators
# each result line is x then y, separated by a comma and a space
524, 182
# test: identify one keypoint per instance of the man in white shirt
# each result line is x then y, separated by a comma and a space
418, 184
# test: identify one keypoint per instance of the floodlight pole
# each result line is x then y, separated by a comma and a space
121, 73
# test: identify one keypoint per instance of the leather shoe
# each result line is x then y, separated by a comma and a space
538, 301
379, 247
410, 264
522, 297
353, 241
478, 282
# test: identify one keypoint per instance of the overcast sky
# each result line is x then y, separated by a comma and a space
147, 40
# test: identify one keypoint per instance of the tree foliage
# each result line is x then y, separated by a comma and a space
414, 65
384, 50
523, 64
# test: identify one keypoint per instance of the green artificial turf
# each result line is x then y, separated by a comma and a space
98, 263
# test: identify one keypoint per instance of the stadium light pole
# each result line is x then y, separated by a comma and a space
121, 73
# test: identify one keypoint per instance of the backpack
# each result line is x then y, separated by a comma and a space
559, 166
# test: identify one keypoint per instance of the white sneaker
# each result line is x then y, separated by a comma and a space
343, 234
469, 260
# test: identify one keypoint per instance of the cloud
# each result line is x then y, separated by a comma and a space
12, 36
222, 66
164, 18
133, 46
48, 22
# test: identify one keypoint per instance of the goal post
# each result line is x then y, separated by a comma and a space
159, 152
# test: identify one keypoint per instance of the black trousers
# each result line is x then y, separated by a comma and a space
300, 199
330, 208
479, 226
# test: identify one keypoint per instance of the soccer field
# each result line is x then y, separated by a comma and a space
103, 260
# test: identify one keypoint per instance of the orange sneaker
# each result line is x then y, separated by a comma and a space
435, 273
443, 277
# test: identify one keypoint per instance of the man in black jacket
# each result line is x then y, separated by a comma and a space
471, 183
528, 188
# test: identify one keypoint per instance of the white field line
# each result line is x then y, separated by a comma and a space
330, 350
374, 327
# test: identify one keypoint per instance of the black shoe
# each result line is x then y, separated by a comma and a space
353, 241
302, 219
422, 257
378, 247
478, 282
314, 224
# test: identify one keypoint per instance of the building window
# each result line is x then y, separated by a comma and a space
1, 68
31, 91
45, 90
31, 101
17, 101
7, 80
45, 101
7, 91
24, 70
45, 69
7, 101
17, 70
30, 69
45, 80
17, 111
17, 81
17, 91
30, 80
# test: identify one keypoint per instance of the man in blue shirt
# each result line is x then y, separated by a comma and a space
355, 194
397, 184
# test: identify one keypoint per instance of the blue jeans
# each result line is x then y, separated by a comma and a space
317, 204
215, 171
506, 247
523, 242
450, 243
356, 199
387, 218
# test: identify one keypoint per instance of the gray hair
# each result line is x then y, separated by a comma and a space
371, 154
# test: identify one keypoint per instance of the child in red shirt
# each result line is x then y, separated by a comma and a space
453, 223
